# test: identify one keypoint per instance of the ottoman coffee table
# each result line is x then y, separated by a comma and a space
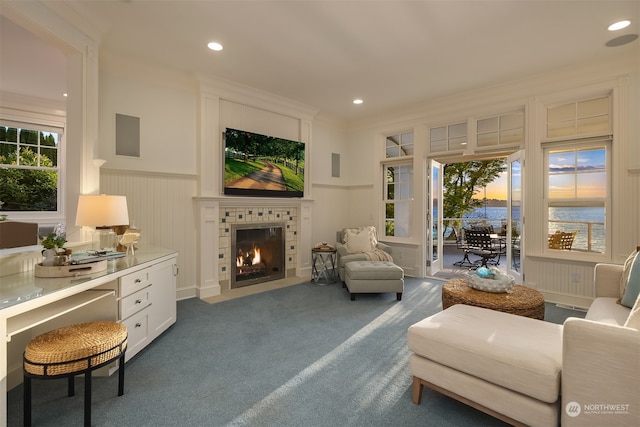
522, 301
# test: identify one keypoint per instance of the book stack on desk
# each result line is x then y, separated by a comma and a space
94, 256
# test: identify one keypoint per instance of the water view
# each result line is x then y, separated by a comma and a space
587, 221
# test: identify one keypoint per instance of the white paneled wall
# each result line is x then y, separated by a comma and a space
162, 206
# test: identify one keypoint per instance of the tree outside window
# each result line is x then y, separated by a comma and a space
29, 169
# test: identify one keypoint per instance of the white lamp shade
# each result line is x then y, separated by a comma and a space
102, 210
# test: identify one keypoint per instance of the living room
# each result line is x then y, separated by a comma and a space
196, 109
174, 188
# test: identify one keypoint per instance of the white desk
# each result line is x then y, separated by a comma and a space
30, 305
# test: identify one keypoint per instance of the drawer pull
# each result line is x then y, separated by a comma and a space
138, 325
138, 301
138, 281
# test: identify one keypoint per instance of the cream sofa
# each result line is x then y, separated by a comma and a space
529, 372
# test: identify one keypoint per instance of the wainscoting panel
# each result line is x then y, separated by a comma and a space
162, 206
561, 281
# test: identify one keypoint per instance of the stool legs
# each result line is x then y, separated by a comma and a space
121, 375
26, 394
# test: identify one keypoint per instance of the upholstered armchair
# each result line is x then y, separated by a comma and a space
360, 244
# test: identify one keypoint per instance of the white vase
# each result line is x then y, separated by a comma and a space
49, 256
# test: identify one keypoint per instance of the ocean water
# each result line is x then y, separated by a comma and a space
587, 221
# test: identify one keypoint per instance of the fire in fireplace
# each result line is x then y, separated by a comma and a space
259, 252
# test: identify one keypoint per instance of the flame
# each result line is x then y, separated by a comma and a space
256, 257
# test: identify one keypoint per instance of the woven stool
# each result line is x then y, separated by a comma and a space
74, 350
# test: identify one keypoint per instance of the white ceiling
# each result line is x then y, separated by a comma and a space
326, 53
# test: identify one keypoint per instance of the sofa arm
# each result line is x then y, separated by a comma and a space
342, 249
606, 278
600, 367
384, 247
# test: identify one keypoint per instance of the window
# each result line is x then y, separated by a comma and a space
400, 145
398, 184
30, 164
398, 199
590, 116
448, 138
577, 195
506, 129
577, 156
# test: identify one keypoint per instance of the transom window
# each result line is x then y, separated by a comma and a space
399, 145
448, 138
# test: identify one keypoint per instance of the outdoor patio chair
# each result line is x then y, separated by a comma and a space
463, 246
481, 244
562, 240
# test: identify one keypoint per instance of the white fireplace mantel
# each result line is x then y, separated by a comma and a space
212, 223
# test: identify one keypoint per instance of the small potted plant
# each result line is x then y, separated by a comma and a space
53, 246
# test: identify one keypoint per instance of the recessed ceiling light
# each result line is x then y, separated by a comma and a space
619, 25
215, 46
358, 101
65, 95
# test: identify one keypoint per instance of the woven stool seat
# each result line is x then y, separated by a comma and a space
72, 350
75, 348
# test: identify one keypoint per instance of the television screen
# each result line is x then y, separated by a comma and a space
261, 165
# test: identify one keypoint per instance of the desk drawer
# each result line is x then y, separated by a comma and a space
137, 332
134, 303
133, 282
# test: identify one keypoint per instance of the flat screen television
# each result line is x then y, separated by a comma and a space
262, 166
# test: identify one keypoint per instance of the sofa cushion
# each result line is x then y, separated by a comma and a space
607, 310
362, 239
633, 284
519, 353
633, 321
626, 269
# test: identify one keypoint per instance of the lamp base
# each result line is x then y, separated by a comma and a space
104, 239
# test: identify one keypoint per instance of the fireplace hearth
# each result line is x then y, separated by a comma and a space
259, 250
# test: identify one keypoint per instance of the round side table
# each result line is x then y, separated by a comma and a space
522, 301
323, 264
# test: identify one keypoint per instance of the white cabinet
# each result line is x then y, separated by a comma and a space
146, 303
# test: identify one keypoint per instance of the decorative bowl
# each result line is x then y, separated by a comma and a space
499, 283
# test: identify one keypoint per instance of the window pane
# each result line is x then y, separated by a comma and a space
458, 130
558, 129
593, 125
28, 190
591, 185
29, 137
512, 121
8, 134
587, 222
488, 139
402, 220
489, 125
562, 186
438, 134
561, 113
593, 107
512, 136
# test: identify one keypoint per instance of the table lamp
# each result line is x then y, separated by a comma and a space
102, 212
